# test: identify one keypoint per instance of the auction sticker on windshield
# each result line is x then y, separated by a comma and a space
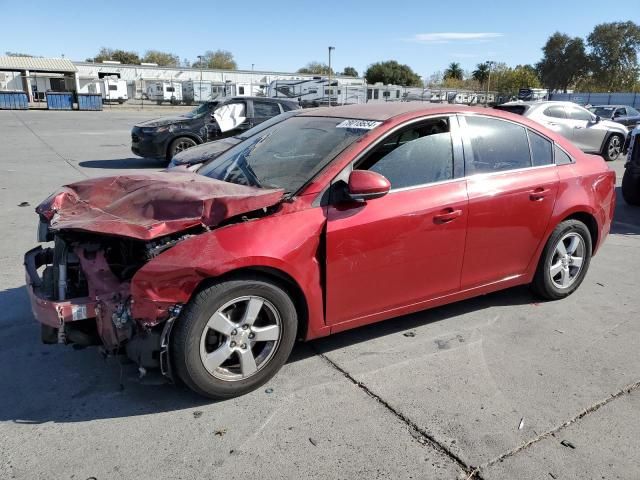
359, 124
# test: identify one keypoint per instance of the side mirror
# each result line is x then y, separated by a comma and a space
597, 119
365, 185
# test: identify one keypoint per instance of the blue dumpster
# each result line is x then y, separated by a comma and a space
60, 100
13, 101
89, 101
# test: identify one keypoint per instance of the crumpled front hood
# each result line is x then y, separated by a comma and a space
150, 205
159, 122
205, 152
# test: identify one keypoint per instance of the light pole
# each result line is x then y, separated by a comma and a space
251, 83
330, 48
490, 64
200, 57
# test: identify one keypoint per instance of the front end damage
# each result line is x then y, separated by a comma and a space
80, 292
102, 232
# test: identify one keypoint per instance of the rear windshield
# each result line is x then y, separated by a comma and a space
288, 154
517, 109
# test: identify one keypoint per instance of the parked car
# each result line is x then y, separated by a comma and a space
193, 157
627, 116
631, 177
589, 132
331, 219
164, 137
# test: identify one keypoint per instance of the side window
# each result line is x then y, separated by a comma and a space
541, 149
240, 90
497, 146
266, 109
577, 113
417, 156
621, 112
555, 111
561, 157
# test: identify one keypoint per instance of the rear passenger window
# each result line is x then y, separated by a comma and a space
556, 111
266, 109
417, 156
497, 146
561, 157
541, 149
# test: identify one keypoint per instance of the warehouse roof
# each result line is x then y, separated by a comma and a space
37, 64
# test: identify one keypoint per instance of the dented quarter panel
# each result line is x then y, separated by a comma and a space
150, 205
288, 241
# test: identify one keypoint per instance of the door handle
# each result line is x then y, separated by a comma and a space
538, 194
447, 216
577, 128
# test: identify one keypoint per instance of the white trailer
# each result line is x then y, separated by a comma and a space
196, 91
165, 92
317, 91
114, 90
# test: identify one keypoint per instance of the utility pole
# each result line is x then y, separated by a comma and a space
330, 48
251, 83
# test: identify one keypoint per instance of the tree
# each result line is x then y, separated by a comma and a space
454, 71
614, 54
350, 72
510, 80
316, 68
122, 56
564, 61
481, 73
391, 72
220, 59
163, 59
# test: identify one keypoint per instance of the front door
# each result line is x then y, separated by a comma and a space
512, 185
586, 134
406, 247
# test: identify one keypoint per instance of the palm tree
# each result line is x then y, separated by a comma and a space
454, 71
481, 73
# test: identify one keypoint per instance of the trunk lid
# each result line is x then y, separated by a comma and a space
150, 205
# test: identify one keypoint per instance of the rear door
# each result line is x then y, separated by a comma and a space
512, 184
554, 117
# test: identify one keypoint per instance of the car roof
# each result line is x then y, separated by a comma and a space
380, 111
262, 99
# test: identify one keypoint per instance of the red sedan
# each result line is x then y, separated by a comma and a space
328, 220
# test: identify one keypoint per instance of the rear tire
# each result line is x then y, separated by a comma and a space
250, 356
631, 188
564, 261
613, 147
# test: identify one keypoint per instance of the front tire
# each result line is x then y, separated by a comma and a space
564, 261
180, 144
233, 337
631, 188
613, 147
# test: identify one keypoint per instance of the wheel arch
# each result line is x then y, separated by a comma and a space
271, 274
591, 223
606, 140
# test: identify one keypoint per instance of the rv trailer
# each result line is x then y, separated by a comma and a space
165, 92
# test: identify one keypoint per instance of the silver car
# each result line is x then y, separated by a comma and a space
587, 131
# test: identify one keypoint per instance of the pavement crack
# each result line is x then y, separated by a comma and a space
49, 146
471, 471
593, 408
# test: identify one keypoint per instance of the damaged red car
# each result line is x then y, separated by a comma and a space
329, 220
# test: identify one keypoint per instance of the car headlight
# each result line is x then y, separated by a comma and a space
160, 129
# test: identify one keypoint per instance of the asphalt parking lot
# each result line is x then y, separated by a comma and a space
501, 385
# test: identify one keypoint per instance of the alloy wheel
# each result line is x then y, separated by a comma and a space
615, 147
240, 338
567, 260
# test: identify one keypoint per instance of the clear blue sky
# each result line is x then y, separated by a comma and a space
285, 35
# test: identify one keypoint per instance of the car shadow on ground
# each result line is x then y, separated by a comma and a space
626, 220
124, 163
57, 383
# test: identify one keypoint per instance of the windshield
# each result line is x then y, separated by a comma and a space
286, 155
602, 111
200, 110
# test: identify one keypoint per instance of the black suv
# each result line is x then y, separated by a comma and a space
164, 137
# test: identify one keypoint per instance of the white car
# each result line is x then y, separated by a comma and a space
587, 131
